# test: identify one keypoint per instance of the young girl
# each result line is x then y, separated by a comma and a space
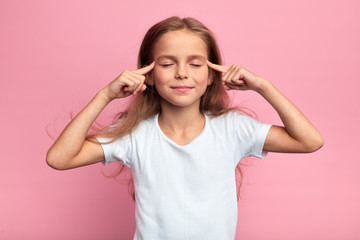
179, 137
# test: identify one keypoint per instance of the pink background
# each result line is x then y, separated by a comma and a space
55, 55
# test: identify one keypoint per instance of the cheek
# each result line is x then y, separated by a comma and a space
160, 76
201, 76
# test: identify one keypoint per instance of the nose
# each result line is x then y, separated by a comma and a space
181, 73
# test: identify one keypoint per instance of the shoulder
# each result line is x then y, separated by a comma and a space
233, 115
148, 122
237, 121
144, 124
145, 127
224, 123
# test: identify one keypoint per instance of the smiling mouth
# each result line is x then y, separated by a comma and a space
182, 88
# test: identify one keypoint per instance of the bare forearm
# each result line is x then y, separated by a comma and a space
71, 149
297, 135
71, 140
297, 126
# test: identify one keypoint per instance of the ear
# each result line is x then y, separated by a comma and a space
149, 80
211, 76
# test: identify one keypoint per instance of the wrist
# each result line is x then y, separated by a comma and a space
103, 96
264, 86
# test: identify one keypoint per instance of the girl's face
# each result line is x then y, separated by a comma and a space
181, 73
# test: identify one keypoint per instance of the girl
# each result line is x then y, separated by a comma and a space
179, 137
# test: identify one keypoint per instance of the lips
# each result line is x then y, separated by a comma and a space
182, 88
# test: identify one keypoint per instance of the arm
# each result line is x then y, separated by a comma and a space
72, 149
297, 135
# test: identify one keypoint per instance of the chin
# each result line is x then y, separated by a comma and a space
180, 103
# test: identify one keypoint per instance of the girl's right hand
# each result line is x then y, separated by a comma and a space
129, 82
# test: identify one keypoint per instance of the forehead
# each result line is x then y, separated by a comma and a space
180, 43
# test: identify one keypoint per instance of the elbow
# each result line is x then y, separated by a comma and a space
52, 162
315, 145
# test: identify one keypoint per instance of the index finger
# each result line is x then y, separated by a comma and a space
217, 67
145, 69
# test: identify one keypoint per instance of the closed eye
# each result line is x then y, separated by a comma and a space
196, 65
166, 65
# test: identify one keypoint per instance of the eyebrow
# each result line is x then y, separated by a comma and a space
189, 57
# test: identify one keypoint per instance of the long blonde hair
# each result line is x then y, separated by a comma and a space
214, 102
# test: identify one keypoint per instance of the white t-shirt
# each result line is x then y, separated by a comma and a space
188, 192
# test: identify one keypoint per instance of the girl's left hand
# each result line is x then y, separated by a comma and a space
238, 78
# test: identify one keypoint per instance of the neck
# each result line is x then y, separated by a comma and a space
180, 119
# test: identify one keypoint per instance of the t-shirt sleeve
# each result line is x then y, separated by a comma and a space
118, 150
250, 135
